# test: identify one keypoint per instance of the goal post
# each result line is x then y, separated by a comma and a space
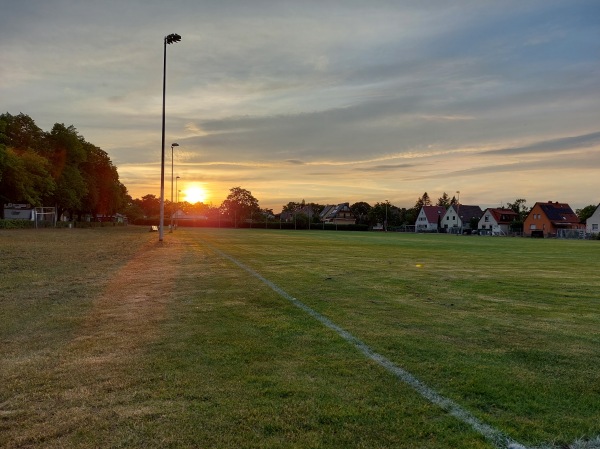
44, 217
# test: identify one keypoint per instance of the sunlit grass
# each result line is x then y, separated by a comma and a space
118, 341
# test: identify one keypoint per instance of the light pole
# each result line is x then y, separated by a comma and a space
386, 219
170, 39
457, 207
177, 201
172, 145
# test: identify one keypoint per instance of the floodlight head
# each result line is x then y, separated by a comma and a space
172, 38
174, 145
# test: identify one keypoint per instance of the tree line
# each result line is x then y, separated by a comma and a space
57, 168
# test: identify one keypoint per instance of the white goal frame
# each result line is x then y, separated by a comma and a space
40, 214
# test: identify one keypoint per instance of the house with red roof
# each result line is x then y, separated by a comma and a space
497, 221
548, 218
429, 218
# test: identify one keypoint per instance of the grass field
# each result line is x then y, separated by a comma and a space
110, 339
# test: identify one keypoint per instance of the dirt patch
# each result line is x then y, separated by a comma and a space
128, 313
95, 375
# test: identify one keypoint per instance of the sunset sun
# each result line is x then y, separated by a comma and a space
195, 194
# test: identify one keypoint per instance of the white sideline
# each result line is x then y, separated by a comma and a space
493, 435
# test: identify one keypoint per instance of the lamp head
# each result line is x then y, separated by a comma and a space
172, 38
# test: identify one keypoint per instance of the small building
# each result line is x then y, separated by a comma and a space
429, 219
592, 224
337, 214
14, 211
547, 219
497, 221
458, 217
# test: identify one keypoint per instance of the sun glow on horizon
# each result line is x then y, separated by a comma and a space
195, 194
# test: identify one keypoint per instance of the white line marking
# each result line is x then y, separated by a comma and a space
493, 435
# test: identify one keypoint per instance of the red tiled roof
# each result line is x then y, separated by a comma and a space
504, 216
433, 212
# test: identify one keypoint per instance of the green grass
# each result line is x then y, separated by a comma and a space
507, 328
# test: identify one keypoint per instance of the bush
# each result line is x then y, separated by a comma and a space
16, 224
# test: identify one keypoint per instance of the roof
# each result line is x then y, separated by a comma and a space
467, 213
558, 213
433, 212
331, 211
503, 216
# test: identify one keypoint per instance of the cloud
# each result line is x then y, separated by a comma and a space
380, 168
347, 94
551, 146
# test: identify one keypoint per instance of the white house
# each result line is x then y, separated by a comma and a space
459, 216
592, 224
429, 218
498, 220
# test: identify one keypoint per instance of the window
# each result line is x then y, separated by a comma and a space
532, 227
487, 219
594, 226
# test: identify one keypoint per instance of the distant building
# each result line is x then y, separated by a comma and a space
497, 221
548, 218
337, 214
14, 211
459, 216
429, 219
592, 224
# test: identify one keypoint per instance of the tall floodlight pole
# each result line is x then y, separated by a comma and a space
172, 145
177, 199
170, 39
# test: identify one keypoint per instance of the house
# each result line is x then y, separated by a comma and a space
337, 214
429, 218
592, 224
179, 217
546, 219
497, 221
459, 217
290, 215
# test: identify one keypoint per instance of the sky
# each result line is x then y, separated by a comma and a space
323, 101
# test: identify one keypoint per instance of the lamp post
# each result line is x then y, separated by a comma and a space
170, 39
177, 201
457, 207
172, 145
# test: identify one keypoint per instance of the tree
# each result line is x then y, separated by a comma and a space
21, 133
24, 177
240, 205
150, 204
361, 211
424, 200
292, 206
520, 208
586, 212
385, 213
444, 201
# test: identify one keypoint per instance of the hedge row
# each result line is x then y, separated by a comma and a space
28, 224
225, 223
